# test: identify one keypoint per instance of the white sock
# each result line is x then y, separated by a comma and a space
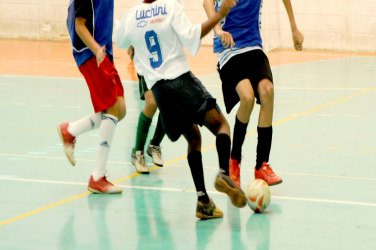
85, 124
106, 134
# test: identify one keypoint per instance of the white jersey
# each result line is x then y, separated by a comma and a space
158, 31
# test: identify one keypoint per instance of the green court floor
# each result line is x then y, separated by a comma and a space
324, 148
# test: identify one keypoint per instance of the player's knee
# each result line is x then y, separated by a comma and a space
122, 114
118, 109
247, 99
122, 111
150, 108
266, 90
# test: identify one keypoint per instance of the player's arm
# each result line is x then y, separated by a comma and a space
297, 36
215, 17
88, 39
225, 37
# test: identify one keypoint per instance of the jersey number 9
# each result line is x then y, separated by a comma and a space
152, 42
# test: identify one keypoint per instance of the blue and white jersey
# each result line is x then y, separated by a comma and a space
244, 23
159, 31
99, 15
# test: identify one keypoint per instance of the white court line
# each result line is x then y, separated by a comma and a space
340, 115
131, 82
331, 176
183, 165
19, 104
219, 86
56, 158
320, 89
278, 197
342, 202
36, 155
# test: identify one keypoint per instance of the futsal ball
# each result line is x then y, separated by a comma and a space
258, 195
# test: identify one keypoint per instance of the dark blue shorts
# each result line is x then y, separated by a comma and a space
182, 102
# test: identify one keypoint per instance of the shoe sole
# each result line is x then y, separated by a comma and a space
71, 161
140, 172
275, 183
237, 197
207, 217
94, 191
158, 165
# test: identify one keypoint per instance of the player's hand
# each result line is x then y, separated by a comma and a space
226, 39
226, 7
100, 54
131, 52
298, 39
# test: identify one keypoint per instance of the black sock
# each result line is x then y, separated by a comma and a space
158, 134
240, 130
223, 144
264, 144
197, 171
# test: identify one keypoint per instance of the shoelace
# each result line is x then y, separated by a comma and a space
157, 150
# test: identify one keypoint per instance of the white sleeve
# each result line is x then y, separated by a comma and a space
120, 38
189, 34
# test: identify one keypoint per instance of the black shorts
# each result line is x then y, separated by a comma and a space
142, 87
253, 65
182, 102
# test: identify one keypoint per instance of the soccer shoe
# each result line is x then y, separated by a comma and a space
266, 173
68, 142
103, 186
138, 161
234, 170
156, 154
208, 211
224, 184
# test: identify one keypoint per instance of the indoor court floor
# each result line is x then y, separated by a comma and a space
324, 148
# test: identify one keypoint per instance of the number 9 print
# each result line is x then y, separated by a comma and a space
152, 43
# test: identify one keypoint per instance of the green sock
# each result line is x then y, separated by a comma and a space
142, 132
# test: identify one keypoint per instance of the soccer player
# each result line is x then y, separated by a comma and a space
246, 75
144, 121
158, 30
93, 54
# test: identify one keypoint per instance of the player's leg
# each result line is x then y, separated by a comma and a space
107, 95
247, 99
206, 208
68, 131
144, 121
218, 125
236, 87
154, 148
98, 182
265, 131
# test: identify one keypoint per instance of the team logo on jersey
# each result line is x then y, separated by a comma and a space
142, 24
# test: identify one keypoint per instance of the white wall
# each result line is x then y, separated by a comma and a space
326, 24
